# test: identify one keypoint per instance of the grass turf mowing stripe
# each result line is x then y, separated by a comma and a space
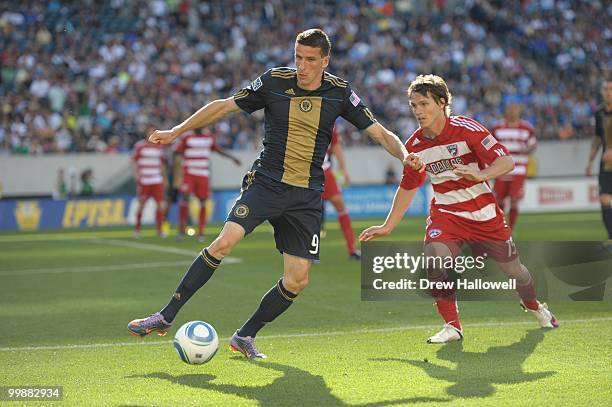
303, 335
91, 269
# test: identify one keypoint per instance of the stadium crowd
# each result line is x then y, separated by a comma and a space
87, 76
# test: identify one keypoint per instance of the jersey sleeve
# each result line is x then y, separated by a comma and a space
485, 146
252, 97
531, 141
412, 179
355, 111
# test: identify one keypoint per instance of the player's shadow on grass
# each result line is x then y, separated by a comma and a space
476, 372
294, 387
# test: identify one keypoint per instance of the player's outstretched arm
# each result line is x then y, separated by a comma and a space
401, 202
499, 167
205, 116
388, 140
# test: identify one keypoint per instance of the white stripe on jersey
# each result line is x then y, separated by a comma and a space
151, 180
449, 175
191, 163
468, 124
487, 213
461, 195
511, 133
151, 152
149, 161
198, 172
197, 152
200, 142
438, 153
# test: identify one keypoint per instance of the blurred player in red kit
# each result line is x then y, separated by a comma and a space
460, 156
194, 150
518, 137
149, 167
333, 193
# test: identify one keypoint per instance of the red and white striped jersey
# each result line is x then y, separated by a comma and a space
196, 149
517, 140
462, 141
327, 163
150, 160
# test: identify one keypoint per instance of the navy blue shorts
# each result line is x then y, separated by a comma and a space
294, 212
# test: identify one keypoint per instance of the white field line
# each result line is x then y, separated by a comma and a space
141, 342
158, 248
120, 243
91, 269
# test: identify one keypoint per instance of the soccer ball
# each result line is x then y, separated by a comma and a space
196, 342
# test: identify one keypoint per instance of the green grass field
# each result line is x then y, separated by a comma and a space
66, 297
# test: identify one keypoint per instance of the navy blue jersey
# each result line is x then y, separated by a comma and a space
299, 123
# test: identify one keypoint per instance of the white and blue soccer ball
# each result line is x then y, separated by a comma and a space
196, 342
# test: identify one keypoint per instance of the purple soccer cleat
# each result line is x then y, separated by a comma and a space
246, 346
154, 322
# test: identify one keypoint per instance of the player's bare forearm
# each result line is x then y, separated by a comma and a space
499, 167
388, 140
401, 201
206, 115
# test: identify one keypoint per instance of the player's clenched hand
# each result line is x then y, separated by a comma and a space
373, 232
162, 136
415, 162
468, 172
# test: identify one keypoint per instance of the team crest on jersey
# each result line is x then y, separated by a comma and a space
256, 84
433, 233
452, 149
241, 211
306, 105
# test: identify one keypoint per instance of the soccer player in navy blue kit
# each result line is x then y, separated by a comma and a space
285, 183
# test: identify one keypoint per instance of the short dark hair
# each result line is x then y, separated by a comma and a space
315, 37
433, 85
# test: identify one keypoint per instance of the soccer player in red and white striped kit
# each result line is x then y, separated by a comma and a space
333, 193
149, 167
518, 137
460, 156
195, 149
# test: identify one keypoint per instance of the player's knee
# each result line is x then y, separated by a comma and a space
605, 200
221, 247
296, 283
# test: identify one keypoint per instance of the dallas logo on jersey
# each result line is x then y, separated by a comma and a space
443, 165
452, 149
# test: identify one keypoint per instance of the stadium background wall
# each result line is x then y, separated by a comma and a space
367, 165
558, 195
